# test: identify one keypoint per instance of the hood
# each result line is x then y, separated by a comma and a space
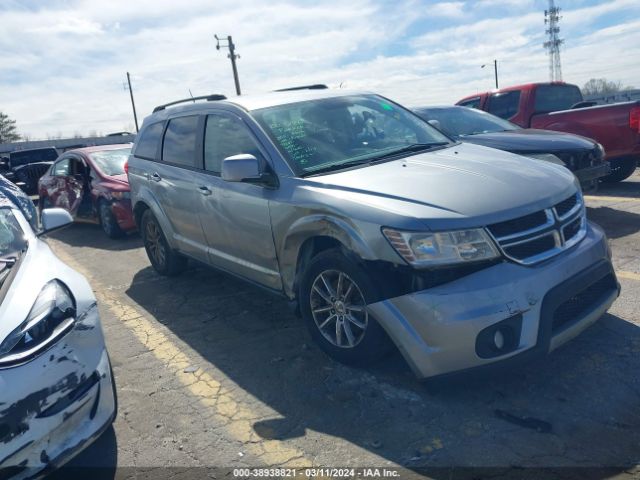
531, 141
37, 267
464, 185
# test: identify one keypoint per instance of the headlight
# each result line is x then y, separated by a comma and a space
442, 248
120, 195
52, 315
547, 157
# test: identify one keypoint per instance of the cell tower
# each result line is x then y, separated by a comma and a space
552, 18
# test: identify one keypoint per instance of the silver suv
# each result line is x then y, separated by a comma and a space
376, 226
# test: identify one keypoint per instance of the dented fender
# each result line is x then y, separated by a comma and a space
313, 226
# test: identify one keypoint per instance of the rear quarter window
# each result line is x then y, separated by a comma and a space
147, 142
504, 105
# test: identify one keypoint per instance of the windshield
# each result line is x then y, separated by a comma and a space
111, 162
32, 156
317, 134
12, 239
462, 121
552, 98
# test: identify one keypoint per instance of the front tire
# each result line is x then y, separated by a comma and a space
165, 260
621, 169
334, 293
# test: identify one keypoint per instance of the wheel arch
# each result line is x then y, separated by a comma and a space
311, 235
148, 202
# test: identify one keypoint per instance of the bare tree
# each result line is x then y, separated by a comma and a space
602, 86
8, 129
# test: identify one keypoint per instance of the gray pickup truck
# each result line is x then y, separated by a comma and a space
378, 228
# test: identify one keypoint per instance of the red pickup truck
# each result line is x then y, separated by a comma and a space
559, 106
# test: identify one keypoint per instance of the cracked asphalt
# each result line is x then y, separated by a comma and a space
212, 371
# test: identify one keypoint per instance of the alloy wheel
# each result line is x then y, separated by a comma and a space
153, 242
339, 309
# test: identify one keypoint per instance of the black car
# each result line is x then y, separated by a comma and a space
13, 194
25, 167
584, 157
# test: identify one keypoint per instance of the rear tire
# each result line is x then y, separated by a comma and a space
334, 291
108, 221
165, 260
621, 169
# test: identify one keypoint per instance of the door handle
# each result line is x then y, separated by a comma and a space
155, 177
204, 190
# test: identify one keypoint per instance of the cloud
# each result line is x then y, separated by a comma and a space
448, 10
70, 24
65, 72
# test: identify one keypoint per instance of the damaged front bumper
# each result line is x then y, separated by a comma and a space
590, 176
124, 214
502, 312
55, 405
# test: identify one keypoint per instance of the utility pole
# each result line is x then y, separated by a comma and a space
135, 115
232, 56
495, 71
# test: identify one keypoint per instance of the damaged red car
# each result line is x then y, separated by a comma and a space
92, 185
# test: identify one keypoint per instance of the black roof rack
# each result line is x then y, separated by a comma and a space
208, 98
317, 86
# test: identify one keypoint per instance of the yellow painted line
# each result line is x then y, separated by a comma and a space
628, 275
607, 198
237, 418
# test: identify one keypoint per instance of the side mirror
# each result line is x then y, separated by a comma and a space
435, 123
244, 168
54, 218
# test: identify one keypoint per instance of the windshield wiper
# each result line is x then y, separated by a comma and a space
412, 148
373, 159
337, 166
8, 261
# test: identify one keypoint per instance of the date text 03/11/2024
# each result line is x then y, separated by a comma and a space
319, 472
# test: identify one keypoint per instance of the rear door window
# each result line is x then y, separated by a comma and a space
504, 105
147, 143
179, 146
552, 98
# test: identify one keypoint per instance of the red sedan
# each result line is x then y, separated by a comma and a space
92, 185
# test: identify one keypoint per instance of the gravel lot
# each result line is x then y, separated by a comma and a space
214, 372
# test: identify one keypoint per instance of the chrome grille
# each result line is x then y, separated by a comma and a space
541, 235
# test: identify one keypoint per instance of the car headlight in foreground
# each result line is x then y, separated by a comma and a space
52, 315
424, 249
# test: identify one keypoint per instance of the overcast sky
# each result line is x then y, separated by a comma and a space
63, 63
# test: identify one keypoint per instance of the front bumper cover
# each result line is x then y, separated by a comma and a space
124, 214
436, 329
54, 406
593, 173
